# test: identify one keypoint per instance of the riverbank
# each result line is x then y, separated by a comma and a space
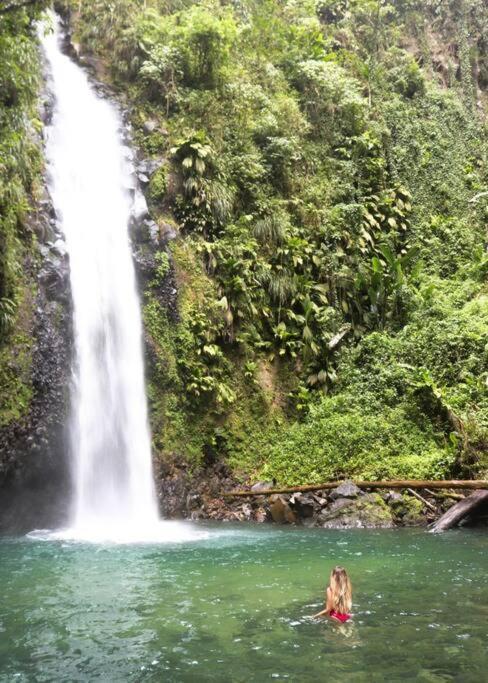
198, 494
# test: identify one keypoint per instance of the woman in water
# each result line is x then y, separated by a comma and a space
338, 596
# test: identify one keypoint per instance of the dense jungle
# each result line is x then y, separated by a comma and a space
313, 266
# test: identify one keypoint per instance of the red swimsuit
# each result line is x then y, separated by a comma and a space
338, 615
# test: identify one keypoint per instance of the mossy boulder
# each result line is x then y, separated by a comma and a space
408, 511
368, 511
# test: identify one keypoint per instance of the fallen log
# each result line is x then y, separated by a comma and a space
394, 484
459, 511
422, 499
442, 495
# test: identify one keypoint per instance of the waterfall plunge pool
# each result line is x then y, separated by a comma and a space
233, 606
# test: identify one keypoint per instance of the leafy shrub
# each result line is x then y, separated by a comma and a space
404, 73
158, 184
339, 440
190, 48
332, 99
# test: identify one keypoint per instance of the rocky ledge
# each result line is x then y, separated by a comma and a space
198, 495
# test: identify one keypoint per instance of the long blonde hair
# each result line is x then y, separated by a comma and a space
341, 590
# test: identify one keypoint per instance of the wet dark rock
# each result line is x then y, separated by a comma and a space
345, 490
409, 511
146, 232
153, 232
303, 504
193, 501
46, 209
246, 511
173, 503
204, 500
91, 63
54, 279
184, 491
46, 107
320, 500
34, 470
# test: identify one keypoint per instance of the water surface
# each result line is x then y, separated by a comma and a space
233, 607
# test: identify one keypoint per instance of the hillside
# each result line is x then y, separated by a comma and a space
316, 174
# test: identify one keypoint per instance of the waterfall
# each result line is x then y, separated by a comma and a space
90, 181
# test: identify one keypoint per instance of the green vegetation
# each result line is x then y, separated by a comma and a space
20, 164
326, 165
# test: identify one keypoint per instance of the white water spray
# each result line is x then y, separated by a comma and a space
90, 178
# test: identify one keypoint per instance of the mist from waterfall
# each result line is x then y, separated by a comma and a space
90, 181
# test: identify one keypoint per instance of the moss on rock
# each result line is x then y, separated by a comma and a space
367, 511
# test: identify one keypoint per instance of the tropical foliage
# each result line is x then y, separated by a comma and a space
20, 166
325, 163
19, 158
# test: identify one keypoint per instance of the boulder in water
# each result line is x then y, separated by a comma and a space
281, 512
369, 512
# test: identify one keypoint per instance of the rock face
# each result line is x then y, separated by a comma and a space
34, 473
185, 493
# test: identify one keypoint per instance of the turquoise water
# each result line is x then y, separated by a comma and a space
234, 606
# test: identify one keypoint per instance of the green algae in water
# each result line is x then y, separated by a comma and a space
234, 607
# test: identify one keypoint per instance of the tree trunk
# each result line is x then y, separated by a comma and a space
394, 484
458, 511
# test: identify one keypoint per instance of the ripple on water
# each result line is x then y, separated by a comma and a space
237, 601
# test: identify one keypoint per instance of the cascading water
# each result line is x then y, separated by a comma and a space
90, 181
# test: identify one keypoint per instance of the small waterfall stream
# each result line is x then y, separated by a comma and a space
90, 178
